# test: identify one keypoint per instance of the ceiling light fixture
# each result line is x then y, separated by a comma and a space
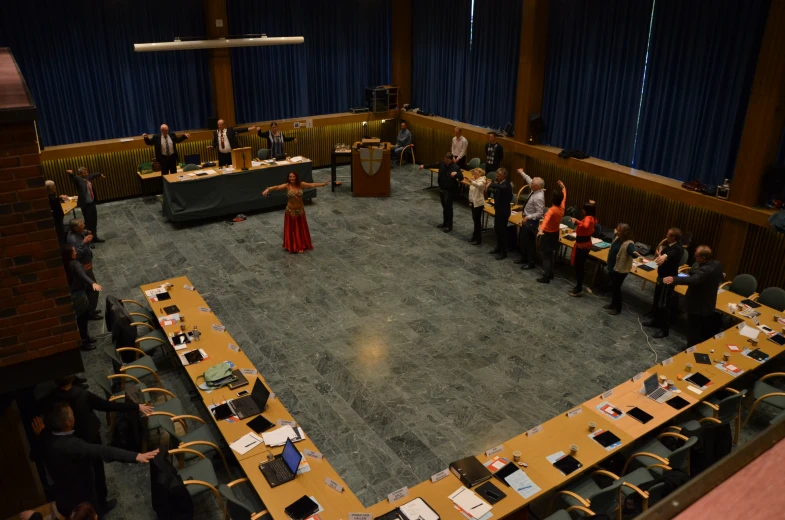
249, 40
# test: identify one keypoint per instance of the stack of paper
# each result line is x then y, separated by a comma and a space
749, 332
279, 436
521, 483
246, 443
152, 292
468, 502
296, 159
169, 319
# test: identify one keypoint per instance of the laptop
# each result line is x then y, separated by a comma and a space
653, 390
193, 159
283, 467
253, 404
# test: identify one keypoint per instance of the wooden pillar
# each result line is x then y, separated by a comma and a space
220, 62
765, 113
729, 251
531, 64
401, 50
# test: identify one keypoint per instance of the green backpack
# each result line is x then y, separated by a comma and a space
217, 376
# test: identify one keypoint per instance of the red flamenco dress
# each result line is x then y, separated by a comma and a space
296, 236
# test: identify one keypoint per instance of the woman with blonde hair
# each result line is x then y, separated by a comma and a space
477, 199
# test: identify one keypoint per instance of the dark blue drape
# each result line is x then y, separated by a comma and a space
781, 152
492, 71
702, 59
593, 75
346, 49
79, 63
440, 53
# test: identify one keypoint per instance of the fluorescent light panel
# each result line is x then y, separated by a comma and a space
221, 43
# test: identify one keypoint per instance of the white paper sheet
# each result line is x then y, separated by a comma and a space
749, 332
417, 508
556, 456
467, 500
246, 443
522, 484
279, 436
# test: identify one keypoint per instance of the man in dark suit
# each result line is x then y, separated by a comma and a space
668, 259
225, 140
501, 207
450, 177
55, 204
86, 201
702, 284
70, 460
87, 426
165, 145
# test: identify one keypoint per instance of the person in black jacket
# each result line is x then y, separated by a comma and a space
275, 139
501, 206
82, 287
225, 140
450, 177
494, 153
165, 146
82, 181
702, 284
87, 426
55, 204
668, 258
70, 460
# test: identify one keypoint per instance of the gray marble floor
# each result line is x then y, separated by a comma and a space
399, 348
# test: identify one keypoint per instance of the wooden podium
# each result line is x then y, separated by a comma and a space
371, 170
241, 158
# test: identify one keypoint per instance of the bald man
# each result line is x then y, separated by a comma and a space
225, 140
165, 144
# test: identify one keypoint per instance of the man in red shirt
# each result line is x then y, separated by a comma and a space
549, 233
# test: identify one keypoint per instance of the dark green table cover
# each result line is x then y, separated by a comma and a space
219, 195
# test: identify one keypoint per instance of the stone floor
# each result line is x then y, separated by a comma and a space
397, 347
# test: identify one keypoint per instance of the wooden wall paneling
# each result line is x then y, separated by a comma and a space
763, 256
531, 64
220, 63
401, 49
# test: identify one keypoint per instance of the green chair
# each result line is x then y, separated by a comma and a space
474, 163
765, 392
743, 285
777, 418
239, 510
201, 439
143, 311
263, 153
199, 476
145, 167
151, 340
656, 456
602, 492
523, 195
567, 222
773, 297
191, 167
718, 409
142, 366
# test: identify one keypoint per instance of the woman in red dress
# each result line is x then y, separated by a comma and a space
296, 237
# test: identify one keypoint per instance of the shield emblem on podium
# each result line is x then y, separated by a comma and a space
371, 159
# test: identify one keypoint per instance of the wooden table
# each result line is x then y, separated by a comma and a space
70, 205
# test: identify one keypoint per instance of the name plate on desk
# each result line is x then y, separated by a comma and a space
284, 422
533, 431
218, 328
313, 454
204, 309
398, 494
234, 347
637, 376
719, 335
666, 362
333, 484
188, 287
606, 395
493, 451
573, 413
691, 349
248, 371
436, 477
360, 516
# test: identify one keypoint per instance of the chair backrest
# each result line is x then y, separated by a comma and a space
729, 407
167, 424
606, 500
237, 509
561, 514
105, 385
679, 458
685, 255
773, 297
523, 194
112, 354
474, 163
567, 222
744, 285
262, 154
191, 167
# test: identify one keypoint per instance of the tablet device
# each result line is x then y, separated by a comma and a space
606, 438
758, 355
490, 493
639, 415
567, 464
222, 411
507, 470
645, 268
302, 508
259, 424
779, 339
171, 309
702, 358
677, 402
750, 303
698, 379
194, 356
163, 296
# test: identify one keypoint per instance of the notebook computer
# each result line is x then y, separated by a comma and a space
253, 404
653, 390
283, 467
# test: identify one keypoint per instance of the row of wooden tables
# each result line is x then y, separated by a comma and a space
555, 435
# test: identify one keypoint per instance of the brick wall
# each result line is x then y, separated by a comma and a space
36, 315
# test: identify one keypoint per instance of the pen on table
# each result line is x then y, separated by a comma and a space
254, 442
478, 505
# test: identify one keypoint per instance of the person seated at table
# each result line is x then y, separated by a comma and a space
703, 282
477, 199
549, 233
404, 139
275, 139
620, 256
584, 229
533, 211
449, 178
502, 210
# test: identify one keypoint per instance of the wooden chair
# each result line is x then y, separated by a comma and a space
402, 157
768, 393
200, 476
144, 312
589, 494
201, 439
655, 456
142, 366
239, 510
743, 285
773, 297
722, 410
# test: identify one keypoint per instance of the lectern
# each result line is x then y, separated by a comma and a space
371, 170
241, 158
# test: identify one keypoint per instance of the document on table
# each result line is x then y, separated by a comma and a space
521, 483
246, 443
418, 509
467, 500
256, 163
279, 436
152, 292
749, 332
556, 456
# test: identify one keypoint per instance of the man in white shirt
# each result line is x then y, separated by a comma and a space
477, 198
225, 140
459, 146
533, 211
165, 146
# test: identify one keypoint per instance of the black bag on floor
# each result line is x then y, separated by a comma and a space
170, 497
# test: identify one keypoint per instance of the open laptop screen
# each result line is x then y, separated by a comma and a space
260, 394
291, 456
650, 384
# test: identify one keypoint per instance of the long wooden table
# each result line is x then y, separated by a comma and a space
553, 436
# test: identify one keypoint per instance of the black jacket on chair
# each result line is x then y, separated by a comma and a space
231, 135
155, 141
169, 496
702, 285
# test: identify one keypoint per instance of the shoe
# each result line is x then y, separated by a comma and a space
88, 340
519, 261
544, 279
649, 314
651, 324
494, 252
614, 312
661, 334
97, 240
107, 506
441, 225
96, 317
80, 380
446, 230
608, 307
501, 256
575, 292
86, 347
528, 267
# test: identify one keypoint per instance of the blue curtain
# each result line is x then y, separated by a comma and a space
440, 53
346, 49
492, 71
593, 75
88, 83
702, 59
781, 152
